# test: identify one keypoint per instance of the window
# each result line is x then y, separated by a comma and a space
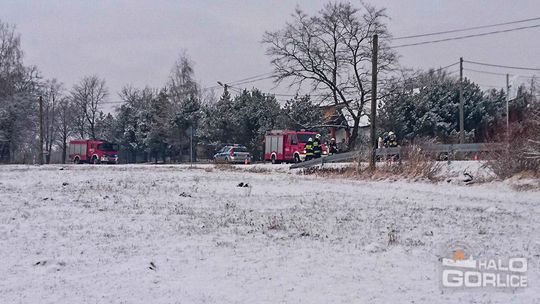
108, 147
304, 137
293, 140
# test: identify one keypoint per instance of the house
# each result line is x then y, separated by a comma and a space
339, 122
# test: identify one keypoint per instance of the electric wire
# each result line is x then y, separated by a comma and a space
465, 29
464, 37
502, 66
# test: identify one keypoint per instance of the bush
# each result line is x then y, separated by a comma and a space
522, 155
512, 161
419, 164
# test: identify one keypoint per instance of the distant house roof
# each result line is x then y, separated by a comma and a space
339, 115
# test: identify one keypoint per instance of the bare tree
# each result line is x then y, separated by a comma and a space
184, 94
182, 85
88, 95
331, 52
18, 95
11, 66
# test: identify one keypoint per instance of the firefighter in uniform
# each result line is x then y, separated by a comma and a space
392, 140
317, 149
309, 149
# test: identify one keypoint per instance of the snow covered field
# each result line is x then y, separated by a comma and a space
171, 234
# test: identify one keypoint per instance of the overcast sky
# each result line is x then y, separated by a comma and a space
137, 42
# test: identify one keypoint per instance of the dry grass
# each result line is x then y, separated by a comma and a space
258, 170
417, 165
225, 167
510, 162
522, 155
343, 172
234, 168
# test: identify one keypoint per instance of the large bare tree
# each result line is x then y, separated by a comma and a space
331, 52
88, 95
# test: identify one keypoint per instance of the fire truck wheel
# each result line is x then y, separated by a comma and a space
95, 160
77, 160
296, 158
274, 161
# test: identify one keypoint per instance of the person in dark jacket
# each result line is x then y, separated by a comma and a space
317, 149
332, 147
309, 149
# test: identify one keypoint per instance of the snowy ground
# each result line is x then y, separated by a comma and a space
171, 234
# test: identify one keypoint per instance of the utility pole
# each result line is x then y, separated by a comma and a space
191, 146
372, 128
507, 107
461, 114
40, 130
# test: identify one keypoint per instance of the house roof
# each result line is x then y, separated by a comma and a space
337, 114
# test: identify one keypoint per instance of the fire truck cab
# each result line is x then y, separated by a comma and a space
93, 151
286, 145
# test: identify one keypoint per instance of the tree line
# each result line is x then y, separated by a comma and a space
150, 124
328, 52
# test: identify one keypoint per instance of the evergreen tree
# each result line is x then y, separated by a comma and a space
133, 121
428, 106
301, 113
159, 127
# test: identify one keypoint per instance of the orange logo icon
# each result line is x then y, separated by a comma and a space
459, 255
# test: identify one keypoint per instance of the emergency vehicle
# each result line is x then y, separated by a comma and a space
93, 151
287, 145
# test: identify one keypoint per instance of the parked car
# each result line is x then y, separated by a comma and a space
233, 154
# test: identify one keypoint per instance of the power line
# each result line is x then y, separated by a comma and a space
465, 37
244, 80
503, 66
485, 72
500, 74
436, 70
250, 81
235, 86
250, 78
280, 94
465, 29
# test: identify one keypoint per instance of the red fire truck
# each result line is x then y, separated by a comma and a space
93, 151
287, 145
